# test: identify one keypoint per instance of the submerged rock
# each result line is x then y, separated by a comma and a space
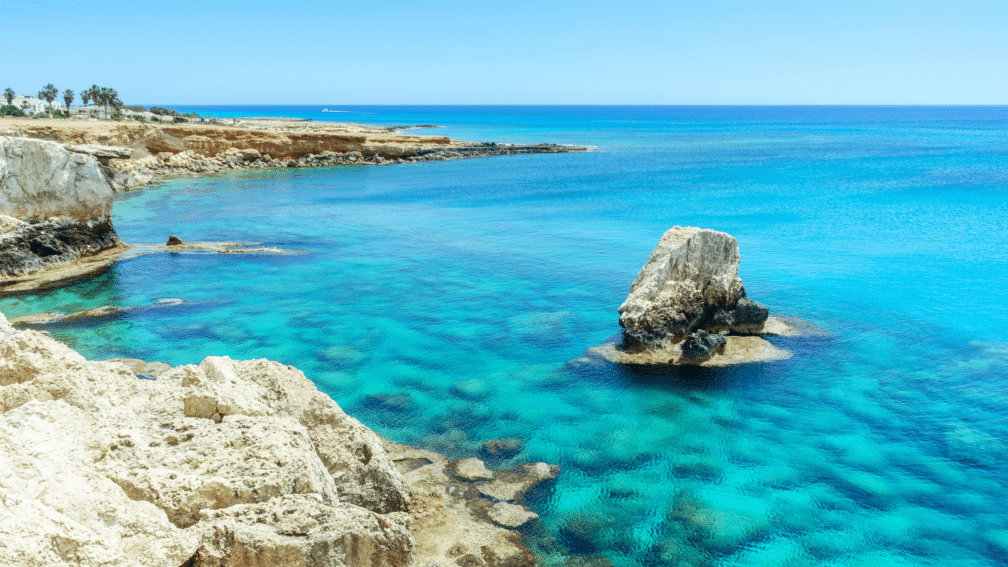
499, 449
511, 515
470, 469
515, 484
103, 312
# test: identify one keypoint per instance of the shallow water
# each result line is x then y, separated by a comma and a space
446, 304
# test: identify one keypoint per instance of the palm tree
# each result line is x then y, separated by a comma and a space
105, 95
9, 95
49, 93
91, 94
68, 96
114, 101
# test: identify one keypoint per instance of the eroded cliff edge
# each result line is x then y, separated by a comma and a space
229, 463
158, 151
55, 210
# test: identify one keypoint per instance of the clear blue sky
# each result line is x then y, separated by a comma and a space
517, 52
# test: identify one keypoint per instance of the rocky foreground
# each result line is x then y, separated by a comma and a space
229, 463
688, 306
156, 151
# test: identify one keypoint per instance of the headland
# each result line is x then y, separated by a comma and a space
160, 151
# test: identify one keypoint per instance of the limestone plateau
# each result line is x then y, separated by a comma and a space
155, 151
688, 306
228, 463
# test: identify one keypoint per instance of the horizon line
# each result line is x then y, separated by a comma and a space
705, 105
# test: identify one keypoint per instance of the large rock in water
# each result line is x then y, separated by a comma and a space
688, 306
691, 274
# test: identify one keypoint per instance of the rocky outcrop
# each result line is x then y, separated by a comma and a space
701, 345
229, 463
455, 523
166, 151
103, 153
118, 474
748, 317
690, 275
54, 207
40, 180
103, 312
40, 244
688, 306
202, 160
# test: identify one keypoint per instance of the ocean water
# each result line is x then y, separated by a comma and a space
446, 304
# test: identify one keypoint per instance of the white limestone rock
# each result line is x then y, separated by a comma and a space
691, 273
41, 179
352, 453
55, 509
195, 465
10, 224
298, 530
215, 391
511, 515
101, 152
470, 469
102, 468
6, 329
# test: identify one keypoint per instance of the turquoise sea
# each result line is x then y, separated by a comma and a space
445, 304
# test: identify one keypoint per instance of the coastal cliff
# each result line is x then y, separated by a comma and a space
55, 208
173, 150
228, 463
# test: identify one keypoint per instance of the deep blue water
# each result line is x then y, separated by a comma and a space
469, 289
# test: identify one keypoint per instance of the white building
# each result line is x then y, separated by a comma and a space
30, 104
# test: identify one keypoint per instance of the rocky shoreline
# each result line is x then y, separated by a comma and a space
137, 154
228, 463
56, 196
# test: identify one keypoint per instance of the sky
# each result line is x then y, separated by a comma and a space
517, 52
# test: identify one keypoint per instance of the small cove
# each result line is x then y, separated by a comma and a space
446, 304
